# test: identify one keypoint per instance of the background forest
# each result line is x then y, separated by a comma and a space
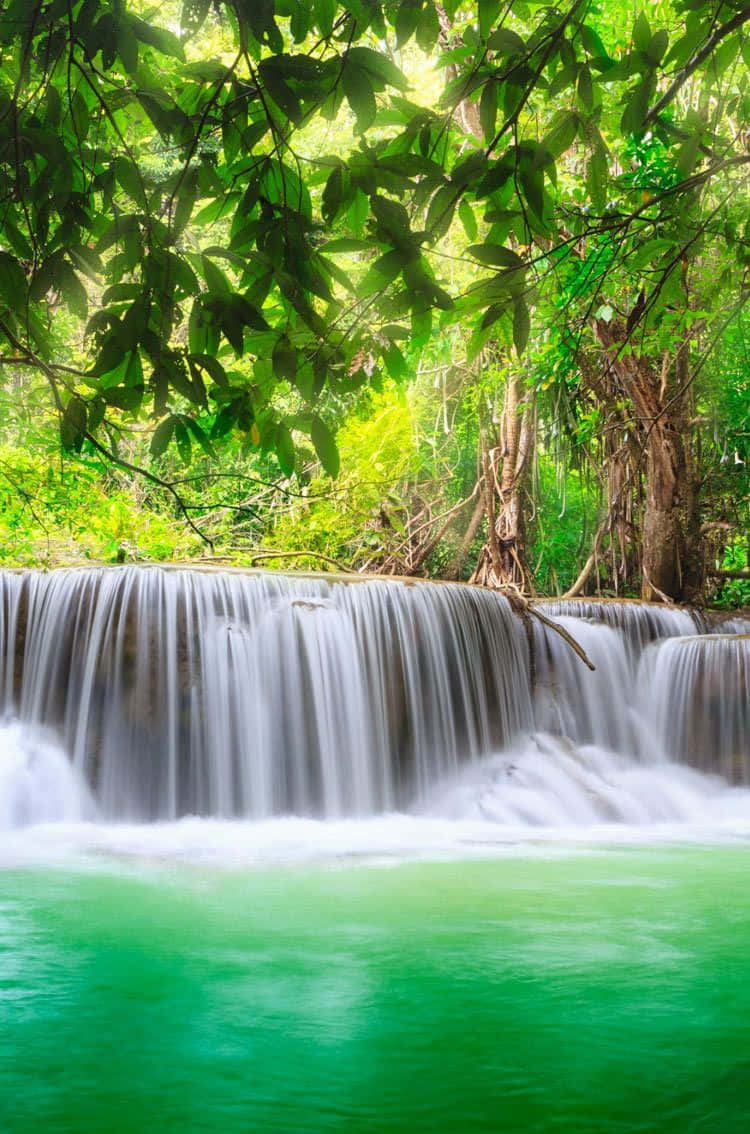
440, 289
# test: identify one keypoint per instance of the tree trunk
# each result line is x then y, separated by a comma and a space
672, 560
502, 561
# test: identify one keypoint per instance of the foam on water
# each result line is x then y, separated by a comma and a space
545, 796
37, 782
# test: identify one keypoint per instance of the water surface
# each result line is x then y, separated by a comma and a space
549, 989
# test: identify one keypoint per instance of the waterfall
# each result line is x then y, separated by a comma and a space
696, 690
183, 692
639, 622
176, 692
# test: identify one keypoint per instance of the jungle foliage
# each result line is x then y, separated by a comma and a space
229, 228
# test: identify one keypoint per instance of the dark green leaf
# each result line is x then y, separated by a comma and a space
360, 95
378, 65
73, 424
127, 46
521, 325
216, 281
496, 255
324, 10
162, 436
488, 110
507, 42
468, 220
657, 48
332, 194
284, 359
284, 449
489, 10
407, 20
641, 33
325, 446
164, 41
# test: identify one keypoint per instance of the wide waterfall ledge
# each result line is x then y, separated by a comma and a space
140, 694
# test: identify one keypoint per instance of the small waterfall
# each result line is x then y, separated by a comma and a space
696, 691
179, 692
640, 622
572, 701
182, 692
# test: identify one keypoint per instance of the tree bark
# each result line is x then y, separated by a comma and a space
672, 560
502, 561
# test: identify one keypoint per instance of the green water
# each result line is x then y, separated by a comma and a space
587, 993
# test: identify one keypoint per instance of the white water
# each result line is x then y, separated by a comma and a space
174, 692
37, 782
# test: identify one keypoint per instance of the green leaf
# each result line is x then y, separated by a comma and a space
18, 241
382, 272
507, 42
325, 446
407, 20
360, 95
359, 210
468, 220
428, 29
521, 325
324, 10
641, 33
73, 424
532, 183
284, 446
127, 398
636, 109
488, 110
657, 47
395, 363
127, 46
562, 133
687, 154
164, 41
345, 244
12, 281
332, 194
284, 359
585, 88
647, 254
596, 177
496, 255
73, 291
193, 16
216, 281
162, 436
200, 436
489, 10
592, 42
378, 65
182, 437
212, 366
127, 175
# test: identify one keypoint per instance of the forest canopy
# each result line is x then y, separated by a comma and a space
396, 285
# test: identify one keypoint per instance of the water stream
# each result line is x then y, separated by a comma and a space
149, 695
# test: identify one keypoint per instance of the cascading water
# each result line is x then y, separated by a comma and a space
178, 692
696, 690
